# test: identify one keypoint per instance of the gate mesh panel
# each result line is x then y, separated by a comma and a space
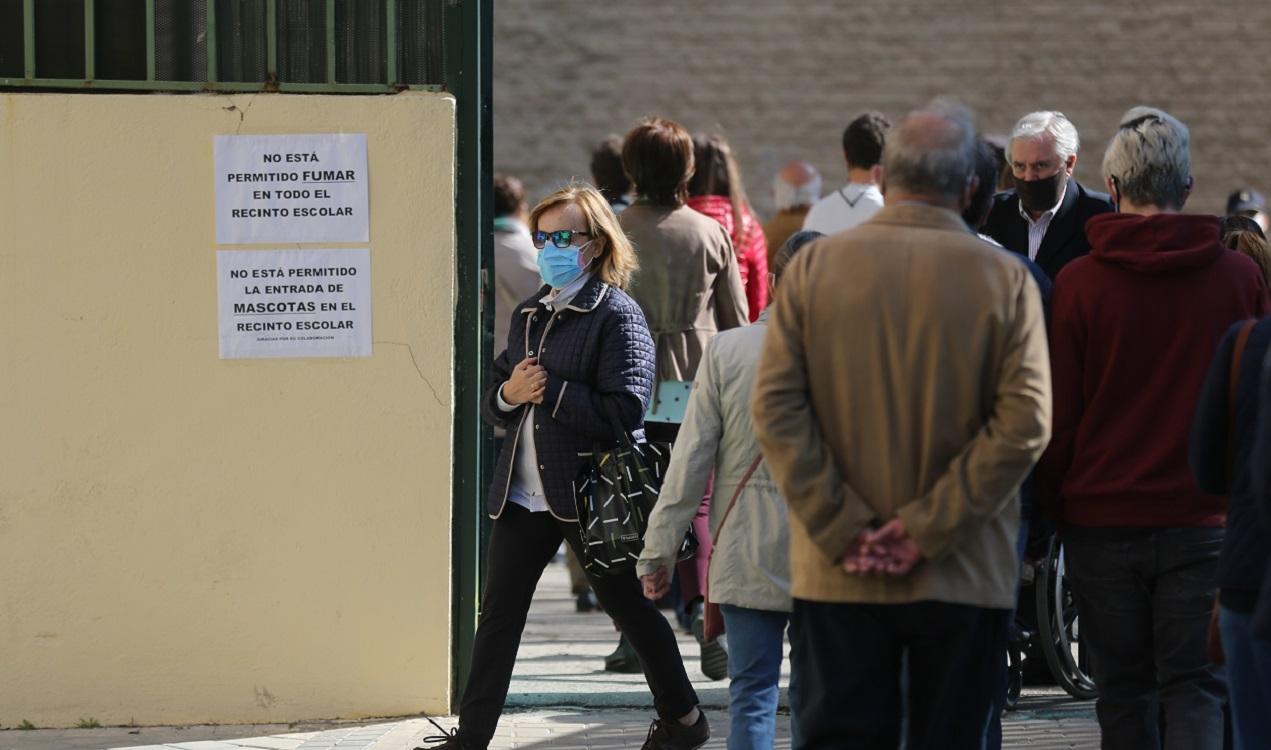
120, 30
361, 38
59, 39
302, 45
180, 40
11, 62
241, 40
421, 27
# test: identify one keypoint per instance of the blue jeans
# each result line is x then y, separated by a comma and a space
1248, 679
755, 640
1145, 597
993, 739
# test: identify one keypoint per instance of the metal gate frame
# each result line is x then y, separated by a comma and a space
469, 59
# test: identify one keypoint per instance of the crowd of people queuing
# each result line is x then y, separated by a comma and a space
963, 343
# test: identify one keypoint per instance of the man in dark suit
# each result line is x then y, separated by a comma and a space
1044, 217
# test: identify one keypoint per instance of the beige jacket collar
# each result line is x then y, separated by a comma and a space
914, 214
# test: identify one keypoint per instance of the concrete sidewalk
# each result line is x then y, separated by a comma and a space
560, 698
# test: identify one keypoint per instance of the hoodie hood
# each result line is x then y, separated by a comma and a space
1163, 243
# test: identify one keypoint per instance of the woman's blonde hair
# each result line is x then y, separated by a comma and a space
615, 263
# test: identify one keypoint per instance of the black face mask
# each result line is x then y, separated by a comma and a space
1040, 195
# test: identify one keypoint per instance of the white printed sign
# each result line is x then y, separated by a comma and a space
291, 188
294, 303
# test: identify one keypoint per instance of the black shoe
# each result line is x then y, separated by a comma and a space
623, 659
447, 740
586, 602
672, 735
714, 654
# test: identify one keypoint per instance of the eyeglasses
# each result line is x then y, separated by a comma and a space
562, 238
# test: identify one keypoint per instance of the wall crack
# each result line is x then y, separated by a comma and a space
242, 113
411, 351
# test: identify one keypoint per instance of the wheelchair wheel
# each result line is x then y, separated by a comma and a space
1058, 628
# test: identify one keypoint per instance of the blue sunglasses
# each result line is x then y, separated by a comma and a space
562, 238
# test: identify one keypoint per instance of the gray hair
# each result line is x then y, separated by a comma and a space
1036, 125
932, 151
1149, 157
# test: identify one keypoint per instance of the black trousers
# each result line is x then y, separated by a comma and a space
848, 658
521, 545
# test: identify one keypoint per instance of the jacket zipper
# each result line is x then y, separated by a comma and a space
517, 438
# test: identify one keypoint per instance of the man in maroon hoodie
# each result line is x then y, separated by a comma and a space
1134, 327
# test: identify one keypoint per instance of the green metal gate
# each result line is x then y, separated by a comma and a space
297, 46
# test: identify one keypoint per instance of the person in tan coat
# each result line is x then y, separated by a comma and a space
902, 396
689, 285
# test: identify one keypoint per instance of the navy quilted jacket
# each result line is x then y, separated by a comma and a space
597, 349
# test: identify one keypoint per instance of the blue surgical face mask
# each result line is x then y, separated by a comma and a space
560, 265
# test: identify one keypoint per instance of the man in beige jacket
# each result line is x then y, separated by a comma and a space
902, 397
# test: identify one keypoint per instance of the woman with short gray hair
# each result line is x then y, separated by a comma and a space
1148, 160
1133, 326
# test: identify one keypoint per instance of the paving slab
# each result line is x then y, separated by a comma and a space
561, 698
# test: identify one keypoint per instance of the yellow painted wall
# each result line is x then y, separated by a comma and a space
186, 539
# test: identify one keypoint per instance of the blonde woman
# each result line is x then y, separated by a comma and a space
577, 349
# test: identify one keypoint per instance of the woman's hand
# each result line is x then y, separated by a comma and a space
656, 584
527, 384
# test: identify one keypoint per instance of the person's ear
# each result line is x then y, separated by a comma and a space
1191, 182
1070, 163
596, 250
882, 181
876, 173
1114, 191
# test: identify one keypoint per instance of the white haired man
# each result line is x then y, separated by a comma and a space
1133, 326
1044, 216
795, 188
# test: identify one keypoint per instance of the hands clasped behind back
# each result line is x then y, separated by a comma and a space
527, 383
888, 550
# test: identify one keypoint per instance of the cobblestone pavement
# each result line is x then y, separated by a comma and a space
560, 698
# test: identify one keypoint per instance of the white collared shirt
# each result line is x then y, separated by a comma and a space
1037, 229
525, 488
844, 208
